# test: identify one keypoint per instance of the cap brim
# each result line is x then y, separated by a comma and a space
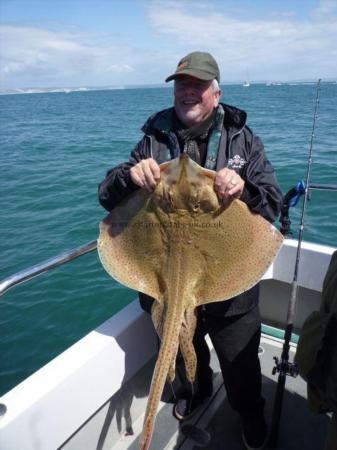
200, 74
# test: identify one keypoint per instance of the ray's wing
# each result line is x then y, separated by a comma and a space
236, 251
130, 245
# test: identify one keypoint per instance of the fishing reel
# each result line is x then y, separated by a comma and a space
285, 367
289, 200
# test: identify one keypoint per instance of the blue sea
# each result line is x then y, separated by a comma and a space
56, 148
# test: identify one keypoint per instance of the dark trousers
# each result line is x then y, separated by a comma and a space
236, 341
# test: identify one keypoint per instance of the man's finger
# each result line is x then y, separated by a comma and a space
136, 178
155, 169
236, 189
146, 174
150, 182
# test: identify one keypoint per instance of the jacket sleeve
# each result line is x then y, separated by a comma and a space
117, 183
261, 192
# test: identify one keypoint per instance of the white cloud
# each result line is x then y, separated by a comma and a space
270, 47
325, 9
280, 48
35, 56
119, 68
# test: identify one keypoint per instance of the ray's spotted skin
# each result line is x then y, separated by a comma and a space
180, 246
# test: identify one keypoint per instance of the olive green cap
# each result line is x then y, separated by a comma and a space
200, 65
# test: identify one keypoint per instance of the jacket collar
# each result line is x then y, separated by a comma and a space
234, 117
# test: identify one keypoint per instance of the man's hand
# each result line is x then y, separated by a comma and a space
146, 174
228, 185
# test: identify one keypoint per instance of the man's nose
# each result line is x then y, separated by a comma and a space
190, 89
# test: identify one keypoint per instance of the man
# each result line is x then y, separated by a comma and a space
215, 135
316, 354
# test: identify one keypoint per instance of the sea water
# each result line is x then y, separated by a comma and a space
56, 148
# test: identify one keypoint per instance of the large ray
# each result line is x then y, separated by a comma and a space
180, 246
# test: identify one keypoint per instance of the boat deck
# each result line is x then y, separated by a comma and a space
216, 426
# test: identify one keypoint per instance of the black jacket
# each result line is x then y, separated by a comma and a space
239, 150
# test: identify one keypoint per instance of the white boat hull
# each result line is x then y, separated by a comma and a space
47, 409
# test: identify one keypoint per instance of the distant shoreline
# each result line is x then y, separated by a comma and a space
67, 90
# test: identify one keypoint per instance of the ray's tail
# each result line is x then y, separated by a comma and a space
167, 351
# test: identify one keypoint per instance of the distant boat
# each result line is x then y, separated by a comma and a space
246, 83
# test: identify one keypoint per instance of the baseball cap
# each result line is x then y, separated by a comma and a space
200, 65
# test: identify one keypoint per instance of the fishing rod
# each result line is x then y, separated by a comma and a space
283, 366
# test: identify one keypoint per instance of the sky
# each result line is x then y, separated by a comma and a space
93, 43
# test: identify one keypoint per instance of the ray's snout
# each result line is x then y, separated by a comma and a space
184, 184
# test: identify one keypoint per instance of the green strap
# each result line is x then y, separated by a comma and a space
164, 124
214, 140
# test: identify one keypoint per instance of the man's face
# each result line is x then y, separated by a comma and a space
194, 99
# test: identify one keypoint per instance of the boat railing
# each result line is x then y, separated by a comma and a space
52, 263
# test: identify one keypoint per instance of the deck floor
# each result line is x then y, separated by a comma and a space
217, 427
